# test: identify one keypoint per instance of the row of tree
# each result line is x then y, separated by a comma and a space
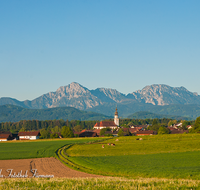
52, 128
49, 125
65, 132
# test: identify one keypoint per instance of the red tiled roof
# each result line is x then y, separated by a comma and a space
125, 129
83, 130
97, 131
29, 133
87, 133
133, 130
4, 136
172, 129
105, 124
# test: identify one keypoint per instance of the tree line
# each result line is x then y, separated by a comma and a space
31, 125
52, 128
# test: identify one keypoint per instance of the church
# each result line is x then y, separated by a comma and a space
108, 124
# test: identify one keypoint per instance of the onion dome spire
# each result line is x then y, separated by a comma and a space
116, 113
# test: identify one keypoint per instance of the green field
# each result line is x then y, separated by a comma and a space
36, 149
162, 156
165, 156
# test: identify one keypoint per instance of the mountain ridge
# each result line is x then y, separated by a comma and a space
78, 96
104, 100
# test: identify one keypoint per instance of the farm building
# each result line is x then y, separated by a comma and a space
31, 135
5, 137
134, 130
139, 126
97, 131
87, 133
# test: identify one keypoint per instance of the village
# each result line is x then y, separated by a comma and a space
102, 128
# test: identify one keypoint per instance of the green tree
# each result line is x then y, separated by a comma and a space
22, 129
163, 130
44, 134
172, 122
196, 127
67, 132
78, 128
155, 125
55, 129
155, 122
120, 132
130, 123
54, 135
185, 124
102, 132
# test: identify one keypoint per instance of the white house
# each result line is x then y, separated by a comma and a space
32, 135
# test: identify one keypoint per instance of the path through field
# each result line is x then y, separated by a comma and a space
44, 166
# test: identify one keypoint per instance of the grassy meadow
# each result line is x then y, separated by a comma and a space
163, 156
155, 162
37, 148
99, 183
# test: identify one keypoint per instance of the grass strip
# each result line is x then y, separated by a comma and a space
62, 155
99, 184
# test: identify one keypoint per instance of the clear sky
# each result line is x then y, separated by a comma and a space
124, 45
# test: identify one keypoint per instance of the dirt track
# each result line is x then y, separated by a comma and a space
44, 166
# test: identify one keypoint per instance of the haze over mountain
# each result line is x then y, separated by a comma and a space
104, 100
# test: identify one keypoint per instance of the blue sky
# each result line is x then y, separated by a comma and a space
124, 45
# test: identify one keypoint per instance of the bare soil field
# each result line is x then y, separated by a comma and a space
44, 166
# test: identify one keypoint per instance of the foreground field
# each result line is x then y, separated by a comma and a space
167, 156
98, 184
45, 166
36, 149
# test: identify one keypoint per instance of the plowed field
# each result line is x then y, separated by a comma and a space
44, 166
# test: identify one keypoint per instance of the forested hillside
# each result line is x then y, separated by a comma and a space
15, 113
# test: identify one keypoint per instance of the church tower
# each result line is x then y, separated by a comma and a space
116, 119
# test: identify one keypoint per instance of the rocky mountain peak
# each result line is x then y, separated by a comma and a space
72, 90
161, 94
108, 94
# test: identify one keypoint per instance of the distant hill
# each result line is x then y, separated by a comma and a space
149, 115
126, 109
15, 113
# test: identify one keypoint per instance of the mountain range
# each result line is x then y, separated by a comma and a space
157, 98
